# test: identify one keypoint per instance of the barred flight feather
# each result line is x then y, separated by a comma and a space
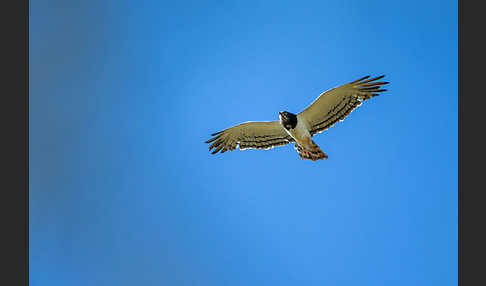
337, 103
253, 134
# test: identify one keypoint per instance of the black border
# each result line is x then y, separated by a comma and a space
459, 139
14, 118
471, 163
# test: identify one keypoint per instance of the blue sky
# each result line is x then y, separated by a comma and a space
123, 190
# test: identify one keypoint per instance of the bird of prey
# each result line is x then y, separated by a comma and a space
330, 107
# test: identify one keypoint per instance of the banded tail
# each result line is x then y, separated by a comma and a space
313, 153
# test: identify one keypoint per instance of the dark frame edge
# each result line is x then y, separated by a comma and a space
459, 141
27, 174
14, 121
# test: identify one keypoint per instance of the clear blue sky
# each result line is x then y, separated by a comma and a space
123, 191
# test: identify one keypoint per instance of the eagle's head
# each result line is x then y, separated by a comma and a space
287, 119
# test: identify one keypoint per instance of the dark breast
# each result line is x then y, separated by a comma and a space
290, 122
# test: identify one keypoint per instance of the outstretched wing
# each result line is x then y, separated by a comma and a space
252, 134
335, 104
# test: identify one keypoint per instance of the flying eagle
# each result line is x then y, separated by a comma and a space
330, 107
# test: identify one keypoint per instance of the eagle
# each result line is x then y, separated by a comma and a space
328, 108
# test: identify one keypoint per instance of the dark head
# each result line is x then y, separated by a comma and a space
287, 119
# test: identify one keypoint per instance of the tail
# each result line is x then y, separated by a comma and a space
313, 153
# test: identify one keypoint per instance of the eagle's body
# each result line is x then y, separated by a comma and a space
299, 131
331, 106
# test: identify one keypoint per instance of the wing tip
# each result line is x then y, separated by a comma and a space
360, 79
216, 133
217, 148
367, 78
